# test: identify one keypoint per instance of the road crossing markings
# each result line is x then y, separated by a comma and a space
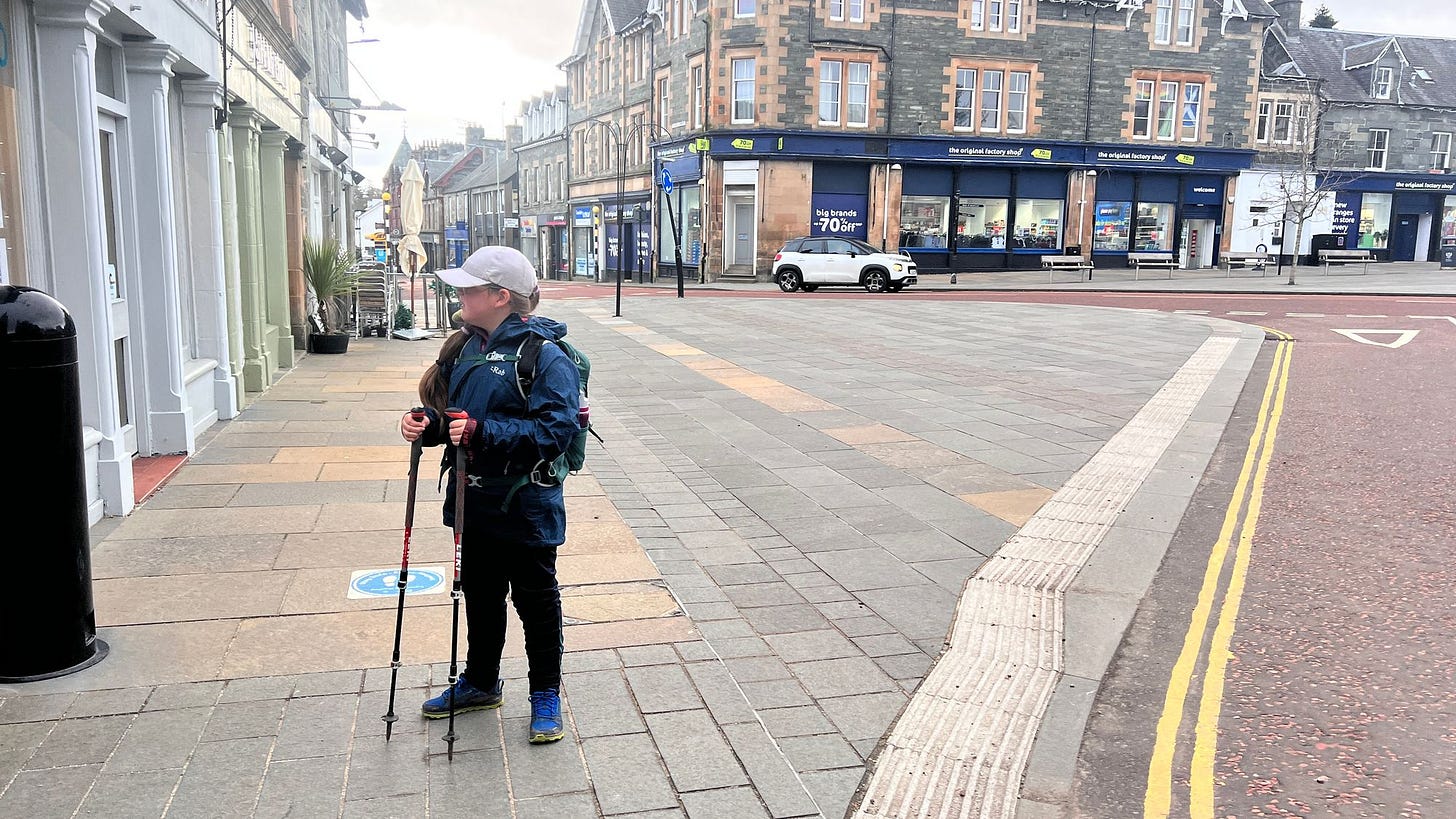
1205, 739
1304, 315
1451, 319
1192, 312
1354, 315
1158, 796
1246, 313
1402, 337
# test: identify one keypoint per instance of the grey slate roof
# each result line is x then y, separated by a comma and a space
1259, 8
1324, 54
621, 14
401, 155
484, 176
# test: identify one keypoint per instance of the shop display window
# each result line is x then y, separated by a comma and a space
923, 221
1112, 227
689, 225
1448, 222
981, 224
1374, 221
1154, 227
1038, 224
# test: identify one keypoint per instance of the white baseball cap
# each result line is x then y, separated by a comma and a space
504, 267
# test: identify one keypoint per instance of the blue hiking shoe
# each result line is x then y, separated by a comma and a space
467, 698
546, 725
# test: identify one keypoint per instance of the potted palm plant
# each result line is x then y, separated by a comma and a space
331, 274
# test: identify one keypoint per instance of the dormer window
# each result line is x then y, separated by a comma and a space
1384, 79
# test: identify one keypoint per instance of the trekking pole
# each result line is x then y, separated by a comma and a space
409, 523
455, 592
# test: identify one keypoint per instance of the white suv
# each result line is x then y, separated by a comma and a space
811, 261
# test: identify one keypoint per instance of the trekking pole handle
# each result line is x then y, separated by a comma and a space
418, 413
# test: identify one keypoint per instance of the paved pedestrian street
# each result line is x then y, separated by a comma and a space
764, 561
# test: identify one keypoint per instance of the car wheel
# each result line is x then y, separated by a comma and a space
876, 281
790, 280
809, 288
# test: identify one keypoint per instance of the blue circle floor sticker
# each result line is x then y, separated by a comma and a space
368, 583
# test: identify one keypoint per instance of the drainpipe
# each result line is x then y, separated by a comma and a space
1091, 50
890, 79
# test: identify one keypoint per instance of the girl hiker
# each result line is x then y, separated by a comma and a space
515, 517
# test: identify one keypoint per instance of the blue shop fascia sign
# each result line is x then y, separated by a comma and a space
1391, 183
682, 161
975, 151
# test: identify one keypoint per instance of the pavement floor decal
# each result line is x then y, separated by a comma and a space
961, 746
1240, 518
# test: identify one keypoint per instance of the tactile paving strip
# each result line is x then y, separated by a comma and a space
961, 746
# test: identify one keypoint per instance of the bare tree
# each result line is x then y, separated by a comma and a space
1302, 171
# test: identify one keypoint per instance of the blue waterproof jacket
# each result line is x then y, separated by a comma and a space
516, 435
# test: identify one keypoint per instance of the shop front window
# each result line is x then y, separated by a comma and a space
1039, 223
689, 225
923, 221
1374, 221
1154, 227
1112, 227
1448, 222
981, 224
583, 264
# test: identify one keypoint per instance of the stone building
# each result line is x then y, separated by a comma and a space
1364, 122
609, 163
976, 134
545, 234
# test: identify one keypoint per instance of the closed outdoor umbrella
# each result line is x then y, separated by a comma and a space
412, 215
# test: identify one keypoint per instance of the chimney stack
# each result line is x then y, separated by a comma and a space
1291, 13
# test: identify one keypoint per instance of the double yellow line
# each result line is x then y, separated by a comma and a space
1241, 519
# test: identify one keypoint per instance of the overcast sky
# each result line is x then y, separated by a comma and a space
454, 62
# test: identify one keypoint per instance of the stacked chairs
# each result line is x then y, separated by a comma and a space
373, 301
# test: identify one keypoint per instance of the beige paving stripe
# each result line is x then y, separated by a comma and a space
960, 747
892, 447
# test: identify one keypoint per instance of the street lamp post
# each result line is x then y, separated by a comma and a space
621, 140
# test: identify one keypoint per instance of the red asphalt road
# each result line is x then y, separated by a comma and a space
1340, 699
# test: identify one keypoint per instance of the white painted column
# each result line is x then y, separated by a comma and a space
162, 391
72, 210
257, 358
201, 100
227, 167
275, 243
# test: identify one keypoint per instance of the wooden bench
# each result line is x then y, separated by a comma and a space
1078, 263
1162, 261
1329, 257
1256, 260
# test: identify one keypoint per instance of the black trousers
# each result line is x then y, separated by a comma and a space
489, 569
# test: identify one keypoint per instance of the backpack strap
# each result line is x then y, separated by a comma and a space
528, 354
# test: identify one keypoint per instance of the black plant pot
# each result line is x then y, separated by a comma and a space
330, 344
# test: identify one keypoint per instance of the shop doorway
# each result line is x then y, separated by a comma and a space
740, 234
1195, 250
119, 285
1403, 237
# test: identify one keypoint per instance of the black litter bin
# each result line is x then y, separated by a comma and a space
1448, 257
47, 620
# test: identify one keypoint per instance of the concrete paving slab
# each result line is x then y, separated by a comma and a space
136, 795
627, 774
153, 524
179, 598
151, 557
